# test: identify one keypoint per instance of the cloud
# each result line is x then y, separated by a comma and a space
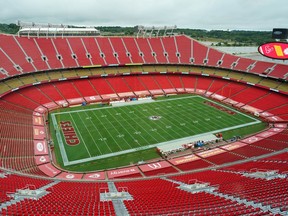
204, 14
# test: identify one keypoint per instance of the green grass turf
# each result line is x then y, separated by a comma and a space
104, 130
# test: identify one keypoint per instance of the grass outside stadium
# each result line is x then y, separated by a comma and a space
109, 137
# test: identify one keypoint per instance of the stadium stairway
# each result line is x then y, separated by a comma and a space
16, 199
119, 207
213, 190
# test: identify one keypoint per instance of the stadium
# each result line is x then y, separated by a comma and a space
151, 124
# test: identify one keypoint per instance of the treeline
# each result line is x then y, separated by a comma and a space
9, 28
218, 37
230, 38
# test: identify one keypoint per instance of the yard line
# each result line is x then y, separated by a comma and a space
94, 142
118, 130
80, 134
141, 127
164, 130
172, 113
139, 134
193, 115
141, 113
170, 124
148, 133
232, 119
98, 133
108, 132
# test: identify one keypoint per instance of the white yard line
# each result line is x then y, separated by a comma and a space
108, 132
99, 133
150, 128
89, 132
137, 125
118, 130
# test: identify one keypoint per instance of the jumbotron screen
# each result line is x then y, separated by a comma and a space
274, 50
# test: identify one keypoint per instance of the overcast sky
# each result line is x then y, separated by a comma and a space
200, 14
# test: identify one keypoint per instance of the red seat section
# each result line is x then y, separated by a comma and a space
77, 47
279, 71
261, 67
243, 64
20, 54
214, 58
105, 47
157, 47
33, 52
270, 101
64, 52
170, 47
84, 87
217, 85
118, 84
20, 100
184, 47
51, 92
133, 48
120, 50
176, 82
231, 89
251, 189
203, 83
228, 60
200, 53
67, 90
145, 50
189, 82
135, 83
93, 50
35, 94
158, 197
249, 95
48, 52
251, 151
164, 83
63, 199
102, 86
150, 83
13, 182
13, 50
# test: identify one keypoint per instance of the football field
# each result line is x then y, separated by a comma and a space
84, 135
